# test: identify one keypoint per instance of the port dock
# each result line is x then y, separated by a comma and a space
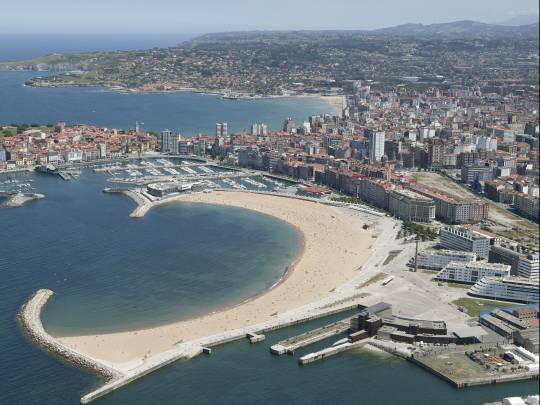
491, 369
330, 351
255, 338
31, 322
296, 342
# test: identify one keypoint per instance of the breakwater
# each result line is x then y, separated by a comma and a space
30, 319
15, 200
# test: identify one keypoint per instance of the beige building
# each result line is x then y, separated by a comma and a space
410, 206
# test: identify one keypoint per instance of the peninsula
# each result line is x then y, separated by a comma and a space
262, 64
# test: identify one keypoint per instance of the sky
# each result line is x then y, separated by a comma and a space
200, 16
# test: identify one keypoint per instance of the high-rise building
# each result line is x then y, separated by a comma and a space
102, 150
201, 147
169, 142
288, 125
436, 152
528, 266
376, 145
259, 129
3, 155
222, 129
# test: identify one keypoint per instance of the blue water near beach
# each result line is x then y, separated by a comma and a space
110, 272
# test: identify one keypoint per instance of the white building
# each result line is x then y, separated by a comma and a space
259, 129
508, 289
465, 239
102, 150
528, 266
376, 146
169, 142
424, 133
472, 272
73, 156
222, 129
486, 143
438, 259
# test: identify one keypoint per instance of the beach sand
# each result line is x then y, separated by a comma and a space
337, 102
335, 247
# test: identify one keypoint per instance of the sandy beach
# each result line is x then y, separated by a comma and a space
335, 247
337, 102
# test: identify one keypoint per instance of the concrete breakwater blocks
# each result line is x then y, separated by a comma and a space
30, 319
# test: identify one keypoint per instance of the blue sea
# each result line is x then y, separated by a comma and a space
110, 272
20, 47
186, 113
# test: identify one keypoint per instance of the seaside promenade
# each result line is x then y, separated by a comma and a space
318, 285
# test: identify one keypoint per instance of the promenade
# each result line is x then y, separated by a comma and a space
318, 285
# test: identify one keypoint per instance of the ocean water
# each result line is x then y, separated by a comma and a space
20, 47
186, 113
111, 272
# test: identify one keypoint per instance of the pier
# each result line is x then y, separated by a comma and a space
30, 318
330, 351
255, 338
456, 366
296, 342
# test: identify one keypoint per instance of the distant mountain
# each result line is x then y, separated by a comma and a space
523, 19
461, 28
457, 29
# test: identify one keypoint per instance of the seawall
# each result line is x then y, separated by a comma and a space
30, 318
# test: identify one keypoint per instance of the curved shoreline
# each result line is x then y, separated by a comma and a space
316, 275
324, 281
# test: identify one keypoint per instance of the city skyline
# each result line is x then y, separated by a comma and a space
167, 16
